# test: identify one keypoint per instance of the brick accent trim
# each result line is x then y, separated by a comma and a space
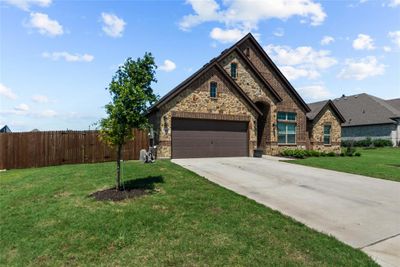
209, 116
322, 143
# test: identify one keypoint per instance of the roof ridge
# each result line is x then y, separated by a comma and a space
383, 103
280, 74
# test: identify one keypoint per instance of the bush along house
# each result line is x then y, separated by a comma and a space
237, 104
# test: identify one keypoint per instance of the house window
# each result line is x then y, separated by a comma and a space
286, 128
234, 70
213, 89
247, 52
327, 134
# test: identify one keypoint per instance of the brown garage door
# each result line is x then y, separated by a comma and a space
193, 138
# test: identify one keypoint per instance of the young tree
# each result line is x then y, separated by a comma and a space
131, 94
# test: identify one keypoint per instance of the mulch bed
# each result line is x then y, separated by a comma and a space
118, 195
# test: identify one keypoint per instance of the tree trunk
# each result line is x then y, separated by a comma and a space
118, 178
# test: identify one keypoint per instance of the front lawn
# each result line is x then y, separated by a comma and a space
380, 163
47, 219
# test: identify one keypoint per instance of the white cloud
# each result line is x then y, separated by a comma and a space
44, 24
22, 107
293, 73
168, 66
361, 69
395, 36
327, 40
279, 32
226, 36
206, 10
40, 99
245, 15
26, 4
113, 25
302, 61
363, 42
68, 56
394, 3
315, 92
387, 48
7, 92
285, 55
24, 110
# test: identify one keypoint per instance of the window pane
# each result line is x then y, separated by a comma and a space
213, 89
291, 116
327, 129
291, 138
291, 128
281, 115
233, 70
281, 139
281, 128
327, 140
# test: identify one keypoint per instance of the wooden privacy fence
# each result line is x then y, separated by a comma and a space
38, 149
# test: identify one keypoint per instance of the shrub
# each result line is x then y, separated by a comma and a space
301, 153
350, 151
315, 153
382, 142
342, 154
368, 142
357, 154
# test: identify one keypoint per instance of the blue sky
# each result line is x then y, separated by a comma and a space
57, 57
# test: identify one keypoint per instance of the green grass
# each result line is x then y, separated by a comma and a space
380, 163
47, 219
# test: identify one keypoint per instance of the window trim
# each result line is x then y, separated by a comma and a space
216, 89
286, 116
287, 122
236, 71
329, 135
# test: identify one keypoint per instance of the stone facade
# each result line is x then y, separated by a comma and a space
289, 102
195, 99
317, 132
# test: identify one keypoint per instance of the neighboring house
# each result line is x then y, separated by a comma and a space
369, 116
236, 103
5, 129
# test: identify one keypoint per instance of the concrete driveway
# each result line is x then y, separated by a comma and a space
361, 211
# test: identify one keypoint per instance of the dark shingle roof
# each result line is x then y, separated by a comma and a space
394, 103
215, 60
317, 107
5, 129
364, 109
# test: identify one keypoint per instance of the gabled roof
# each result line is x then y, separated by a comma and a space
212, 64
364, 109
318, 108
277, 71
224, 53
5, 129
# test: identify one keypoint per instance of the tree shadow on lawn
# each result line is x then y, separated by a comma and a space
130, 189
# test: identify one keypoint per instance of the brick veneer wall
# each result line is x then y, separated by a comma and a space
195, 102
289, 103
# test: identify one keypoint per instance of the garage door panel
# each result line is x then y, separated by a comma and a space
206, 138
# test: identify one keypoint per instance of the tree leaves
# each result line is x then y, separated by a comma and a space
131, 96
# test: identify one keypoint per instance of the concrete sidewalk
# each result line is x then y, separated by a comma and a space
361, 211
